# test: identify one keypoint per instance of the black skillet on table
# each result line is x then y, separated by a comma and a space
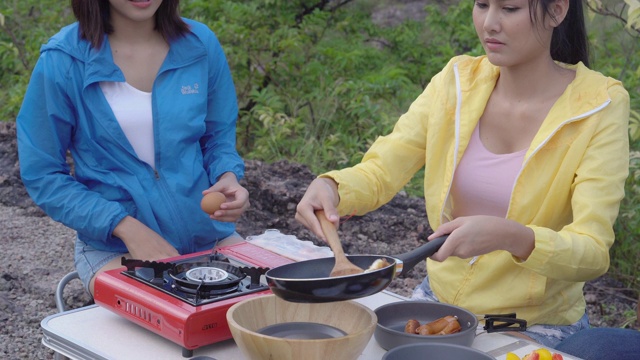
309, 281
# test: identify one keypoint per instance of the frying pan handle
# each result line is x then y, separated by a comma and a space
413, 257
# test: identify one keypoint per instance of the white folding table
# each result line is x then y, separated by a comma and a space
93, 332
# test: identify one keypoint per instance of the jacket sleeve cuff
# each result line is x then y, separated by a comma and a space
215, 173
542, 252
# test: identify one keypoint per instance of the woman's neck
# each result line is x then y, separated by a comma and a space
132, 32
542, 78
139, 50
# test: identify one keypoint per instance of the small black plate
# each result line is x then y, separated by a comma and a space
302, 331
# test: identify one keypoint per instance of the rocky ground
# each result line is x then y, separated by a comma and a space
37, 252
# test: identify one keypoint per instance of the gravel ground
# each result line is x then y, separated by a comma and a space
36, 254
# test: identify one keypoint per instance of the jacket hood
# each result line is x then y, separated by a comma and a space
99, 62
68, 41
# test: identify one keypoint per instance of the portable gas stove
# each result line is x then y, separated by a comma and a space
185, 299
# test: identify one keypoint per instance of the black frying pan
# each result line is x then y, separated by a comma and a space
309, 281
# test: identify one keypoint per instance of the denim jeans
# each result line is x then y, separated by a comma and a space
603, 343
89, 260
547, 335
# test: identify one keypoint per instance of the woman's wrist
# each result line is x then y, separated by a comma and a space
228, 176
123, 227
522, 240
332, 185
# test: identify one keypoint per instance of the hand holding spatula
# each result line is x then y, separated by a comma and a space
342, 266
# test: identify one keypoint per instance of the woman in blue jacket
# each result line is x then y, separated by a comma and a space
145, 103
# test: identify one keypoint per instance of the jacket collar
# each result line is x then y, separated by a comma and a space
99, 65
586, 94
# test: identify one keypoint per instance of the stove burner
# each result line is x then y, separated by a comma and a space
199, 280
207, 274
200, 294
180, 273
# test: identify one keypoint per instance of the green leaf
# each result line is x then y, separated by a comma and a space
633, 14
634, 125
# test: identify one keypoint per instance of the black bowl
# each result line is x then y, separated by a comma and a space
434, 351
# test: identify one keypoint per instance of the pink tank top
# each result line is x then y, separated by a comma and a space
483, 181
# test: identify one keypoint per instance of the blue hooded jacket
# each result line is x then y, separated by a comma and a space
194, 110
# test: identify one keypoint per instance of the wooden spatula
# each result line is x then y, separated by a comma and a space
343, 266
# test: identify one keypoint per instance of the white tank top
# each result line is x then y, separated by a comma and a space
483, 181
132, 109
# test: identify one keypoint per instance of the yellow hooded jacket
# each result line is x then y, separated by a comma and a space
568, 190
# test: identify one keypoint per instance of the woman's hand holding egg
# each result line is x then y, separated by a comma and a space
211, 202
226, 200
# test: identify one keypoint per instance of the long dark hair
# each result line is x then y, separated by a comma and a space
94, 18
569, 42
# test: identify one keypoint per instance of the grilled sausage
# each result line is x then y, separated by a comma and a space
451, 328
411, 326
442, 326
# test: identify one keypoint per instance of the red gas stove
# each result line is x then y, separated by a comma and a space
185, 299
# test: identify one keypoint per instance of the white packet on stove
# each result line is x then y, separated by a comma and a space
289, 246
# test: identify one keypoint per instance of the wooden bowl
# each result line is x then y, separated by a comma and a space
245, 318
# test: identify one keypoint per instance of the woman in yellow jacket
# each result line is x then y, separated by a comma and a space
526, 154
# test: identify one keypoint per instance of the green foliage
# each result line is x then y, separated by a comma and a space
616, 53
26, 26
624, 253
314, 86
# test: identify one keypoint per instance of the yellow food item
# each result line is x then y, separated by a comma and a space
512, 356
211, 202
544, 354
378, 264
541, 354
